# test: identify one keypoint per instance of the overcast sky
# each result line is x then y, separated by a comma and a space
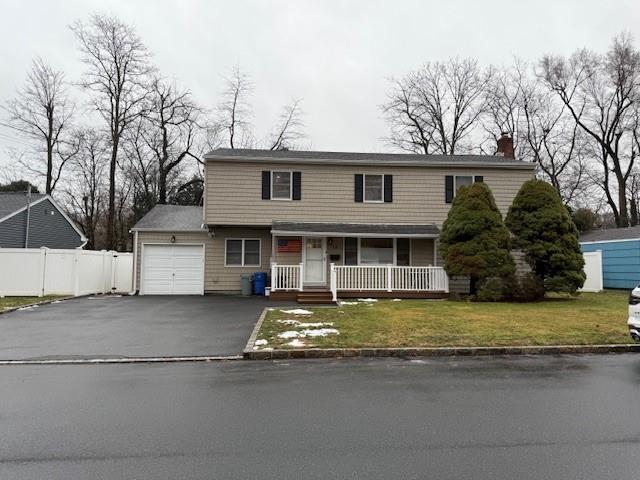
335, 55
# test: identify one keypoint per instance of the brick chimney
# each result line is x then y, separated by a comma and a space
505, 146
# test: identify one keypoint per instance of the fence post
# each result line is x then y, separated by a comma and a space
389, 280
43, 270
333, 281
301, 276
114, 273
76, 272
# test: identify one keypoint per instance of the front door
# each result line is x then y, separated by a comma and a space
314, 260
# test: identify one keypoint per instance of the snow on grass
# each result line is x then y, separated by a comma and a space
296, 343
298, 311
396, 300
368, 300
290, 334
298, 324
261, 342
349, 303
320, 332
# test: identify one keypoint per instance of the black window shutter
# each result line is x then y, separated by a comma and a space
358, 187
479, 178
388, 188
448, 188
297, 186
266, 185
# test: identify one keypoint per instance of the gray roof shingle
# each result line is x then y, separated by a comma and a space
11, 202
176, 218
628, 233
364, 229
301, 156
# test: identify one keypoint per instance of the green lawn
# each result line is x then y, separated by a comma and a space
12, 302
590, 318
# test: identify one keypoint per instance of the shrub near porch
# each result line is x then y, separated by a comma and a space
590, 318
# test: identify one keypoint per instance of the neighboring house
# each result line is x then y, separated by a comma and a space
356, 224
620, 249
36, 220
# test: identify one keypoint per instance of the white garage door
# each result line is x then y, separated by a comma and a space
172, 270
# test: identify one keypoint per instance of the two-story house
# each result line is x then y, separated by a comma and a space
323, 224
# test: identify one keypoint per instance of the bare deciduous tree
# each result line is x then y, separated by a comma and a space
117, 66
433, 109
289, 128
42, 112
601, 93
171, 126
234, 111
86, 194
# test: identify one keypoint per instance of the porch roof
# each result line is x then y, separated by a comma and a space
355, 229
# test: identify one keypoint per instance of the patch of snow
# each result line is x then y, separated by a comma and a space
296, 343
290, 334
56, 301
367, 300
298, 311
349, 303
30, 307
298, 324
267, 349
320, 332
396, 300
260, 342
288, 322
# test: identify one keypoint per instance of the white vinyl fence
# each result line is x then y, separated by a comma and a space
44, 271
593, 269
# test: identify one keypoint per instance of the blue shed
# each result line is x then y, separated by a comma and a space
620, 255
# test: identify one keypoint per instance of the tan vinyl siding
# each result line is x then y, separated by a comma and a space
217, 277
234, 193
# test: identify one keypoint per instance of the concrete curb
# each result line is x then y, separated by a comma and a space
44, 302
118, 360
280, 354
250, 354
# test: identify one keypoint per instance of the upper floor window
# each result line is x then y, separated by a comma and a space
281, 185
453, 182
373, 188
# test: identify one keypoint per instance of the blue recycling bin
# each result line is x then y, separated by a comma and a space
259, 283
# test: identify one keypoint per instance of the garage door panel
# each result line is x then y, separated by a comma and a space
172, 270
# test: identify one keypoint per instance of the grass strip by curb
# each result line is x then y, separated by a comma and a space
35, 304
280, 354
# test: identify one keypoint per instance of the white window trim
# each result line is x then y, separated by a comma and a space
373, 264
243, 240
395, 251
455, 182
290, 172
364, 188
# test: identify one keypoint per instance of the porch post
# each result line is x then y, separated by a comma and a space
333, 281
389, 278
301, 276
274, 278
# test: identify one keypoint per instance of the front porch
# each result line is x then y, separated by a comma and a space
319, 263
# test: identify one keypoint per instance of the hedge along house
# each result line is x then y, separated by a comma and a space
620, 249
34, 220
323, 224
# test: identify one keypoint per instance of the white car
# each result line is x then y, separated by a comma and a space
634, 314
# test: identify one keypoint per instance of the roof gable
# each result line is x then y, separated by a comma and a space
171, 218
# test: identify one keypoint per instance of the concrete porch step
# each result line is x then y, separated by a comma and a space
315, 296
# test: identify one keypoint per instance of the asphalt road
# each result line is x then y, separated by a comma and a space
569, 417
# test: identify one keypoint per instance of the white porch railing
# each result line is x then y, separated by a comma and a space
388, 278
286, 277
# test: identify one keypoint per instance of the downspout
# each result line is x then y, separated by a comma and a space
26, 233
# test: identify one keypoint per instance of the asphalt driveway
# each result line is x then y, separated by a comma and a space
143, 326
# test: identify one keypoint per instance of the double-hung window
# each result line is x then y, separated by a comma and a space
242, 252
281, 185
462, 181
373, 188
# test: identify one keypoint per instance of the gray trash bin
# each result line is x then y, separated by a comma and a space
246, 284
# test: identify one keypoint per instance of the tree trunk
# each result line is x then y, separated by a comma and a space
112, 196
